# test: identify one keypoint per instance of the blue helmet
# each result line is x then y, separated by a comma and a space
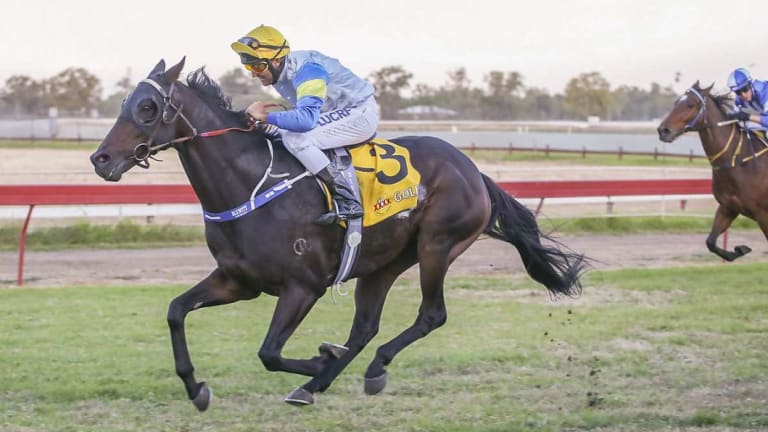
738, 79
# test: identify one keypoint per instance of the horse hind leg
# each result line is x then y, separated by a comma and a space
370, 292
433, 266
723, 219
216, 289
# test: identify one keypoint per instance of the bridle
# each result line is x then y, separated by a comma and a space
702, 111
144, 151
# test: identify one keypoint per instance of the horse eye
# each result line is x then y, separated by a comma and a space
146, 111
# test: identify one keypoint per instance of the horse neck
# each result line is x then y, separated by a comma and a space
719, 142
223, 170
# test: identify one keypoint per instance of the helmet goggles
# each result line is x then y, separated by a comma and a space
255, 44
255, 64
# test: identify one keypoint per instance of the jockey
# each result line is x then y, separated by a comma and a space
751, 101
332, 107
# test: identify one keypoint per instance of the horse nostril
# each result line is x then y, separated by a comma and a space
99, 158
664, 131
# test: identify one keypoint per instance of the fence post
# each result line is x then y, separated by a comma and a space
583, 152
546, 151
655, 153
690, 155
621, 152
22, 244
53, 125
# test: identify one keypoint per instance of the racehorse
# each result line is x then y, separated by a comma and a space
278, 250
739, 173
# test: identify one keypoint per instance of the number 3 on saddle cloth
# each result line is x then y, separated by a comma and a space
388, 185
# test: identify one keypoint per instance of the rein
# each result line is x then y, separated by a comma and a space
144, 151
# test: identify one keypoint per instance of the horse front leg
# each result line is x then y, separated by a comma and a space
370, 292
216, 289
293, 304
723, 219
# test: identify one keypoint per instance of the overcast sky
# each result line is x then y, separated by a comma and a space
549, 42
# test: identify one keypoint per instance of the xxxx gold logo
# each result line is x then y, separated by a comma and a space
382, 204
404, 194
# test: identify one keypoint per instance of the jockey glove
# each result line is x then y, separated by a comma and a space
739, 115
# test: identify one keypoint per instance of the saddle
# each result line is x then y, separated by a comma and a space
385, 183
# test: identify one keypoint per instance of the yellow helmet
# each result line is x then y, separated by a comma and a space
263, 42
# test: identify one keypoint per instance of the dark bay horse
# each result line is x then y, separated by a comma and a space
739, 168
278, 250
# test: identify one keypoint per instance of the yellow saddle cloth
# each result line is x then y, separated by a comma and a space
388, 182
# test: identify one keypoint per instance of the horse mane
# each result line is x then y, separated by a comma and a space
723, 102
211, 93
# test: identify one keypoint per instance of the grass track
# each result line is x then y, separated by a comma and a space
642, 350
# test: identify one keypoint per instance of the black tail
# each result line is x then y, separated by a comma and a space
512, 222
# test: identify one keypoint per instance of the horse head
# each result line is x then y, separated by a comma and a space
689, 113
150, 120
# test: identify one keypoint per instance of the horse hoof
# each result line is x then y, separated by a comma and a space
335, 350
300, 397
743, 250
203, 398
375, 385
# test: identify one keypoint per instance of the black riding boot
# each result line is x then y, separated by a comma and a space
347, 205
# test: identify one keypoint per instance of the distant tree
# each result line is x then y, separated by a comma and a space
422, 94
459, 95
660, 100
390, 82
538, 104
588, 94
502, 84
630, 102
74, 90
458, 80
24, 95
502, 101
243, 89
634, 103
125, 85
110, 107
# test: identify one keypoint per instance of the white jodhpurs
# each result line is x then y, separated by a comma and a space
339, 128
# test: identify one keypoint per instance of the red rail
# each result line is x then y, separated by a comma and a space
33, 195
585, 188
96, 194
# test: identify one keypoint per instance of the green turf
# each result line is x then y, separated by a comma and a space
641, 350
82, 234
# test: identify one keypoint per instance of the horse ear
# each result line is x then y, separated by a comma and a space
696, 85
172, 74
159, 68
708, 89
